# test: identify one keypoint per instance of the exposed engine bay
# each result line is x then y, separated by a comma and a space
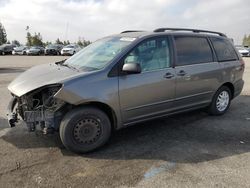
38, 107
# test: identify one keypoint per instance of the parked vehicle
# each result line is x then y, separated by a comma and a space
53, 49
70, 49
6, 49
128, 78
20, 50
35, 50
243, 51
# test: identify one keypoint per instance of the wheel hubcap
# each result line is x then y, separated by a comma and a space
87, 131
222, 101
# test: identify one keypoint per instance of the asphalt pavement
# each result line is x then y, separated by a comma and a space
186, 150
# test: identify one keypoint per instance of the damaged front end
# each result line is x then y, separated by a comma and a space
38, 107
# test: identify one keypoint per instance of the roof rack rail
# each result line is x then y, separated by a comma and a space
186, 29
130, 31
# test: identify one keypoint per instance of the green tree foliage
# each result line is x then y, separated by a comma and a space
29, 39
37, 40
47, 43
3, 35
16, 42
34, 40
246, 40
58, 41
66, 42
82, 42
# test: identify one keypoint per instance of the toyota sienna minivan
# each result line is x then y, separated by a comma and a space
124, 79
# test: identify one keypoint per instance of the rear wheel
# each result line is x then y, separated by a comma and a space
221, 101
85, 129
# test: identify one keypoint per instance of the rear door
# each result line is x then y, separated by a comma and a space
151, 92
198, 74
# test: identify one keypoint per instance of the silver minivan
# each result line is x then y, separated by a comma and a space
127, 78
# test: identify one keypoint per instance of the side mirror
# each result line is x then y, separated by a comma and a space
131, 68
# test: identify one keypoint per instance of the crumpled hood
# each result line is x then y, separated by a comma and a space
40, 76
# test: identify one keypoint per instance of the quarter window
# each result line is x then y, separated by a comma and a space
224, 49
151, 55
192, 50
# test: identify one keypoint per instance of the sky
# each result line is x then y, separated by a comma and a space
94, 19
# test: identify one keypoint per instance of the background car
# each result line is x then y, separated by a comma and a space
70, 49
20, 50
243, 51
53, 49
35, 50
6, 49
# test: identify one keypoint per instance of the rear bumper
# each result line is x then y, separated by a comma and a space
238, 86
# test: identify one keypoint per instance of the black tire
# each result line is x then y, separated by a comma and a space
214, 109
81, 123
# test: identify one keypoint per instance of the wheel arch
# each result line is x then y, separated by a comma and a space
105, 108
230, 86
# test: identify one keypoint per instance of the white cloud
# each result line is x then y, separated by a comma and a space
93, 19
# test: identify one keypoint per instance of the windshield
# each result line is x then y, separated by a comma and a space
32, 48
69, 46
98, 54
51, 46
20, 48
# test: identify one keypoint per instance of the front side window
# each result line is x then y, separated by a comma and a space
151, 55
192, 50
224, 49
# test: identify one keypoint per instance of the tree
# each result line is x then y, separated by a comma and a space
16, 42
3, 35
246, 40
82, 42
66, 42
29, 39
47, 43
35, 40
58, 41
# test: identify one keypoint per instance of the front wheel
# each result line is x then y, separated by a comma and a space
85, 129
221, 101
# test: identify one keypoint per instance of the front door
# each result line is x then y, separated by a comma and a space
151, 92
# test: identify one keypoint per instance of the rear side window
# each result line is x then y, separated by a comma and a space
224, 49
192, 50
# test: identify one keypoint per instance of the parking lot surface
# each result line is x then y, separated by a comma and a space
187, 150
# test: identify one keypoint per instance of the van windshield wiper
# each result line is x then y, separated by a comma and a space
62, 63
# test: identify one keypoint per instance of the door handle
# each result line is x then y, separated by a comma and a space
168, 75
181, 73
